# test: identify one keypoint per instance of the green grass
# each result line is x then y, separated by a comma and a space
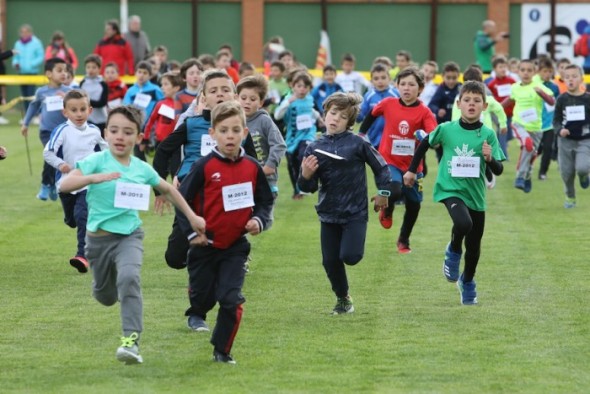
409, 333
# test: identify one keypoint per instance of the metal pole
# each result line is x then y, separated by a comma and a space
552, 33
195, 30
433, 28
324, 5
124, 15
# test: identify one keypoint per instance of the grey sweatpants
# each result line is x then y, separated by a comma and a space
573, 157
115, 261
529, 143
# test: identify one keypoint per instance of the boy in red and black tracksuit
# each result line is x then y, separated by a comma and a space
230, 190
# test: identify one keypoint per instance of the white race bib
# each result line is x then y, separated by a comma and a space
54, 103
207, 144
465, 167
142, 100
504, 90
167, 111
575, 112
403, 147
549, 108
529, 115
114, 103
132, 196
237, 196
304, 122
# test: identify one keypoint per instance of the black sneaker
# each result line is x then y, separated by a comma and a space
343, 305
220, 357
196, 323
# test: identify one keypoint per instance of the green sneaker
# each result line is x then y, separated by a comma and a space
128, 352
569, 203
343, 305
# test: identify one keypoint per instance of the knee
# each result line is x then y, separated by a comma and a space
174, 260
352, 258
231, 299
128, 282
528, 144
106, 299
463, 226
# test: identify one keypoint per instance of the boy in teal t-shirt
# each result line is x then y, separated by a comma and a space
118, 186
528, 97
467, 148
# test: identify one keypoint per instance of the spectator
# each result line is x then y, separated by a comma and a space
60, 48
484, 43
114, 48
28, 59
273, 48
138, 39
3, 56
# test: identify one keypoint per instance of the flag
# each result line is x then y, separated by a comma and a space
324, 56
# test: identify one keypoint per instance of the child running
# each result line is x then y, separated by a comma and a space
467, 147
337, 161
572, 125
406, 120
229, 189
118, 185
71, 142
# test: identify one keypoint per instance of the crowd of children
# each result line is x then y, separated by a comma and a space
219, 129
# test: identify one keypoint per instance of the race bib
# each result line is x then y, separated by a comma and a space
403, 147
304, 122
207, 144
465, 167
237, 196
575, 112
167, 111
529, 115
114, 103
142, 100
132, 196
54, 103
549, 108
504, 90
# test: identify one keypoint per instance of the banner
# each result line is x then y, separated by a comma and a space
570, 21
324, 56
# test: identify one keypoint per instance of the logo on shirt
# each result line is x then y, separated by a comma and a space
216, 177
404, 127
464, 152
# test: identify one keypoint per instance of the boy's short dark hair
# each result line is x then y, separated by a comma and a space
329, 67
173, 78
144, 65
256, 82
161, 48
451, 67
304, 77
132, 114
379, 68
52, 62
498, 61
575, 67
226, 47
386, 61
545, 62
473, 74
245, 66
432, 64
93, 59
225, 110
293, 72
411, 71
405, 54
349, 102
70, 69
278, 65
76, 94
348, 57
174, 65
113, 65
221, 53
563, 60
530, 61
473, 87
188, 63
286, 52
214, 74
207, 60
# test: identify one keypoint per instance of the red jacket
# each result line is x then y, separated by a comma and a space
117, 89
115, 49
164, 124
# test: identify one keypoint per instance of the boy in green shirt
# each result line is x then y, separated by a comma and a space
528, 97
468, 146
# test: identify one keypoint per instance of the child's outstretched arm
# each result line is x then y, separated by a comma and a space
548, 98
75, 180
382, 176
410, 175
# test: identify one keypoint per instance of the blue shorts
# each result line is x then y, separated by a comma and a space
413, 193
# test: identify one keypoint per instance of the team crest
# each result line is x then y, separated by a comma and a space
404, 127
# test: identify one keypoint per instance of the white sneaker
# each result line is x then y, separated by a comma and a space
3, 120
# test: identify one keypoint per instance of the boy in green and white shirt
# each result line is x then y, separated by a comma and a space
468, 147
529, 98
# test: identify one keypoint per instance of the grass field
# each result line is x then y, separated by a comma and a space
530, 332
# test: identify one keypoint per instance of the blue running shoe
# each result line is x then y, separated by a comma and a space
468, 292
53, 193
451, 264
569, 203
43, 194
519, 183
197, 323
584, 181
528, 185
